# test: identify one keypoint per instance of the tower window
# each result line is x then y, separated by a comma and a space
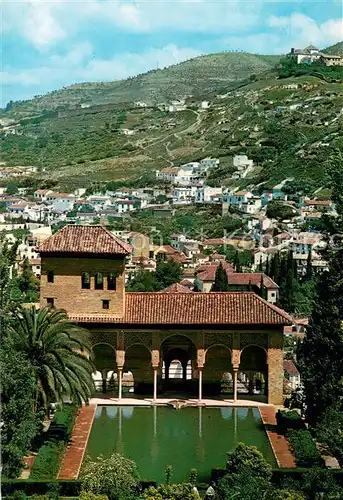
50, 301
51, 276
111, 282
85, 281
105, 304
99, 281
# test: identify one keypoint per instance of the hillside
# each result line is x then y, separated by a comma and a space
336, 49
198, 76
287, 126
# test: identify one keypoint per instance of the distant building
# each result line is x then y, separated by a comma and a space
307, 55
331, 60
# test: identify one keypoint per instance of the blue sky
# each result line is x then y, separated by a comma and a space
48, 44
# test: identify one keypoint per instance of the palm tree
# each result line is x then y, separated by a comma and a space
59, 351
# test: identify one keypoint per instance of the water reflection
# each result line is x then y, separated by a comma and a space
111, 412
190, 438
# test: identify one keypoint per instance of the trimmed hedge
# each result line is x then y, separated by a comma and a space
65, 487
289, 420
304, 448
47, 462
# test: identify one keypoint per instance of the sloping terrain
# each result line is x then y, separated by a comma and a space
287, 126
198, 76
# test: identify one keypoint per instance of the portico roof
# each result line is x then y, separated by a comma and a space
175, 308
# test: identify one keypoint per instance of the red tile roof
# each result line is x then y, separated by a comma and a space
207, 272
290, 368
228, 308
176, 288
85, 239
253, 278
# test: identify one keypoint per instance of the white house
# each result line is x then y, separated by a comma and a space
167, 174
124, 206
42, 194
241, 162
61, 201
309, 54
237, 198
207, 194
184, 194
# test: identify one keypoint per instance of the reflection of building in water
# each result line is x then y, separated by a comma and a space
111, 412
207, 334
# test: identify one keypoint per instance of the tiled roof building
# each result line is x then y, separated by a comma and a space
236, 334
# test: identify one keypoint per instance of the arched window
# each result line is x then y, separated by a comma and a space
51, 276
99, 281
85, 281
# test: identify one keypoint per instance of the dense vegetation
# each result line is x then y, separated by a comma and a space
39, 365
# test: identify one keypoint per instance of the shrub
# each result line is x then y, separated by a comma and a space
182, 491
304, 448
248, 458
289, 420
116, 476
47, 462
88, 495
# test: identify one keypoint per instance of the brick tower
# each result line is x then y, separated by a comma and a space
83, 271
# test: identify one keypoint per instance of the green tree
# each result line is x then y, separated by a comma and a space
59, 353
167, 273
221, 282
116, 476
281, 210
27, 282
309, 267
17, 400
12, 187
143, 281
249, 458
329, 430
321, 354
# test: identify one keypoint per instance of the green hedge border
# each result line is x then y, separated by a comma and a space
48, 460
67, 487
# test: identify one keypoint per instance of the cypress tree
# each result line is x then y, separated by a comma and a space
309, 267
221, 283
321, 354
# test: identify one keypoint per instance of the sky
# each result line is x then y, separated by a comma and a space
48, 44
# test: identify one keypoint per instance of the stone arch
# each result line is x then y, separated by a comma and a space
178, 347
253, 370
218, 370
104, 358
138, 363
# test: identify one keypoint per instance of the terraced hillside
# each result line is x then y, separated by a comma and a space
287, 126
198, 76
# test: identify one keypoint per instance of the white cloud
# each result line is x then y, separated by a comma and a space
78, 66
302, 30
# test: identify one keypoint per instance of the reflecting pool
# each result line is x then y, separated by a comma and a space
157, 436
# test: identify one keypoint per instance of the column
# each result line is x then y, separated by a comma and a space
235, 379
200, 384
155, 383
120, 383
200, 363
155, 361
120, 359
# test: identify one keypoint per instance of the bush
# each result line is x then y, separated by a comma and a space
88, 495
47, 462
29, 487
248, 458
304, 448
116, 476
289, 420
